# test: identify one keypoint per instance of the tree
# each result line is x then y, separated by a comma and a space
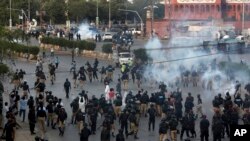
55, 11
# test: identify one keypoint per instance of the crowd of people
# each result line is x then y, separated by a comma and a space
120, 106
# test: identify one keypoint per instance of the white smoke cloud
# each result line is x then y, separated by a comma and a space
85, 32
167, 62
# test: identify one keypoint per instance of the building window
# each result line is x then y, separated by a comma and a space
212, 8
187, 8
229, 7
192, 8
203, 9
181, 7
234, 8
197, 8
208, 8
238, 7
246, 8
176, 8
218, 8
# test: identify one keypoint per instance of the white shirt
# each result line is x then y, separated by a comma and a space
107, 89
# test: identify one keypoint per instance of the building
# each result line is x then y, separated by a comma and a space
181, 13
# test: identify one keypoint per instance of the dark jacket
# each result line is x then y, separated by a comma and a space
85, 133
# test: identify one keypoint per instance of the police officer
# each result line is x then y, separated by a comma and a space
79, 120
85, 133
160, 98
246, 103
173, 123
75, 107
144, 103
123, 121
93, 119
50, 110
238, 101
185, 126
105, 134
62, 116
67, 87
246, 117
163, 128
204, 128
152, 113
217, 127
120, 136
133, 124
118, 104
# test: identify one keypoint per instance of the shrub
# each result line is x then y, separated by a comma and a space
82, 45
3, 69
141, 54
107, 48
5, 45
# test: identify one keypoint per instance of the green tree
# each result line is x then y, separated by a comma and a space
55, 11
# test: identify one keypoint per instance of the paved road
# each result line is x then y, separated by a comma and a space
97, 88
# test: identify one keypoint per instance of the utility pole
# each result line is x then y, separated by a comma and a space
10, 22
243, 16
152, 17
169, 17
41, 12
97, 14
29, 10
109, 14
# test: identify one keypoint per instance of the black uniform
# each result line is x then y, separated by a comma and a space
204, 129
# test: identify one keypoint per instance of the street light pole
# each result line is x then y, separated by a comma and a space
10, 22
29, 10
152, 17
243, 15
97, 14
137, 15
109, 14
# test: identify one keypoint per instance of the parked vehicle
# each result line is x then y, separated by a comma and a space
135, 31
107, 37
125, 57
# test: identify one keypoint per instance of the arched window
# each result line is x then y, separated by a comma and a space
218, 8
181, 8
203, 8
208, 8
176, 8
212, 8
238, 7
197, 9
187, 8
192, 8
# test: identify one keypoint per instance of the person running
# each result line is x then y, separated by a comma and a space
67, 87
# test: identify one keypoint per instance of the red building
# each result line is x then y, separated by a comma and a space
197, 12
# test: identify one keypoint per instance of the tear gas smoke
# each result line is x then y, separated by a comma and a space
170, 72
85, 31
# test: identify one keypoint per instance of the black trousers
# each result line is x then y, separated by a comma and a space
95, 75
32, 127
151, 122
217, 137
226, 129
204, 135
93, 126
124, 126
183, 130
